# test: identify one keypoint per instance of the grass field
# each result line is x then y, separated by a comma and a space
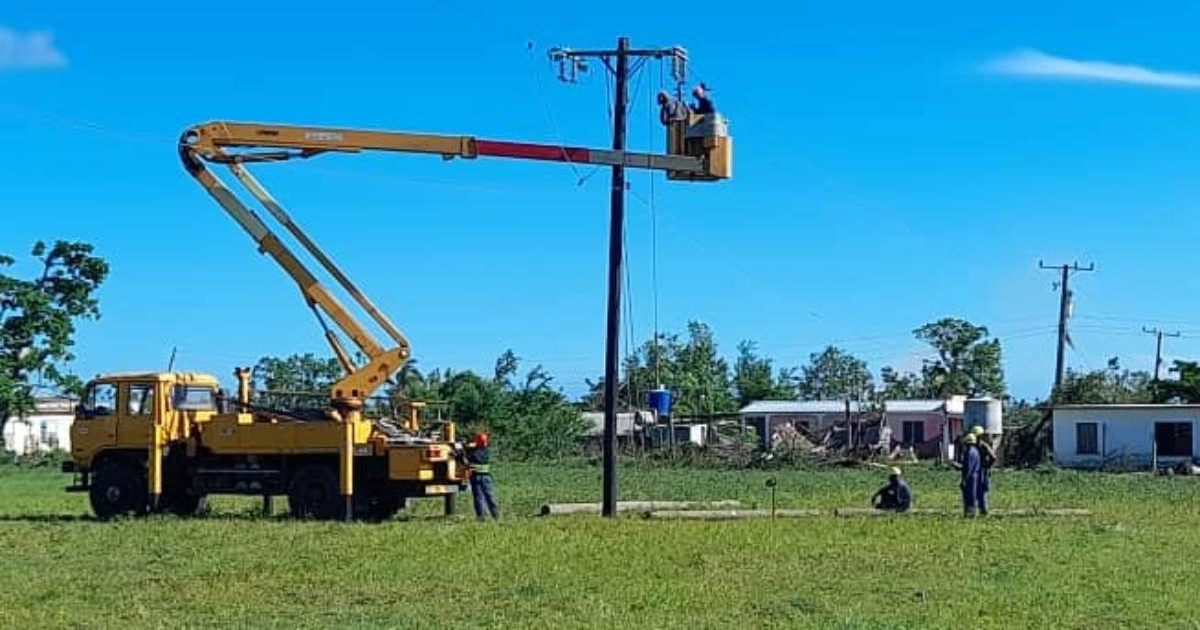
1133, 564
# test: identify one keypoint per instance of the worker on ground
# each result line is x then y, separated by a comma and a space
479, 461
972, 476
704, 104
895, 496
987, 455
670, 109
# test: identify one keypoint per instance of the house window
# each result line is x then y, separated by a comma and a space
1087, 438
912, 432
1174, 439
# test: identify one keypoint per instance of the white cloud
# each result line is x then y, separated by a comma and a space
1035, 63
28, 51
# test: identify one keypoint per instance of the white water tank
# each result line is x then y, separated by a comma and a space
984, 412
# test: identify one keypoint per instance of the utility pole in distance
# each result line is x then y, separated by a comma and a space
1159, 334
1064, 313
617, 61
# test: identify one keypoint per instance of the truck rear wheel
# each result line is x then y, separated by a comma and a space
118, 489
313, 494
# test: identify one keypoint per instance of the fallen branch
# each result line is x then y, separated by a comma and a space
727, 515
555, 509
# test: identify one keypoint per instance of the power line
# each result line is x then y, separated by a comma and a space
617, 61
1158, 335
1064, 312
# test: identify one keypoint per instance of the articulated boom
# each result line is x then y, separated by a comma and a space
703, 156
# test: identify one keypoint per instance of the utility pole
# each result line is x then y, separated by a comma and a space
1064, 313
572, 62
1159, 334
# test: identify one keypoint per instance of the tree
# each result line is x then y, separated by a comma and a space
899, 385
699, 379
832, 374
526, 415
967, 362
37, 321
297, 373
1112, 385
754, 378
1184, 390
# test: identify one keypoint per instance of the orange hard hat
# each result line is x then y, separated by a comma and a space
481, 438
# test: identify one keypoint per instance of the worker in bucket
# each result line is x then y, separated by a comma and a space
479, 461
670, 109
704, 103
896, 496
973, 484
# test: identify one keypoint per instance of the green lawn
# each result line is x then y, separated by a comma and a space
1133, 564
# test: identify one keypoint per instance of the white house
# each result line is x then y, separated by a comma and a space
813, 416
1090, 436
48, 428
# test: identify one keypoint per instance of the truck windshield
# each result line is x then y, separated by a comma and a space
193, 398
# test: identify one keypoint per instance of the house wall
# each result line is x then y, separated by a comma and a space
38, 433
932, 421
1125, 435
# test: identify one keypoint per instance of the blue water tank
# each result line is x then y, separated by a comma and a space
660, 401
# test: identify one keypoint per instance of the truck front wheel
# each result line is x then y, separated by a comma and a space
313, 493
118, 490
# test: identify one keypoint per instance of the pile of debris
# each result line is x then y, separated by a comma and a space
849, 442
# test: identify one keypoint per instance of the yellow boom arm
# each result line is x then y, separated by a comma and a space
236, 144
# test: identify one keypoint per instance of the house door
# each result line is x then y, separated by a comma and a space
1174, 439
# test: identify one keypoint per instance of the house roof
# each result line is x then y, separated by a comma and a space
798, 406
913, 406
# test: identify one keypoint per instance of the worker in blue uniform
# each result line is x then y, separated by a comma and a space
704, 103
987, 460
479, 461
895, 496
972, 484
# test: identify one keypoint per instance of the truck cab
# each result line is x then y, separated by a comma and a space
121, 422
118, 412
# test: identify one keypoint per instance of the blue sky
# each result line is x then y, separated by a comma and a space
895, 163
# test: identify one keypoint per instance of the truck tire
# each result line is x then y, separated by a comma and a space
313, 494
118, 489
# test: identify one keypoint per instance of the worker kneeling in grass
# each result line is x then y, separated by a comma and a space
896, 496
479, 460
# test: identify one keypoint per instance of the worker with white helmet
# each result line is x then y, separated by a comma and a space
895, 496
